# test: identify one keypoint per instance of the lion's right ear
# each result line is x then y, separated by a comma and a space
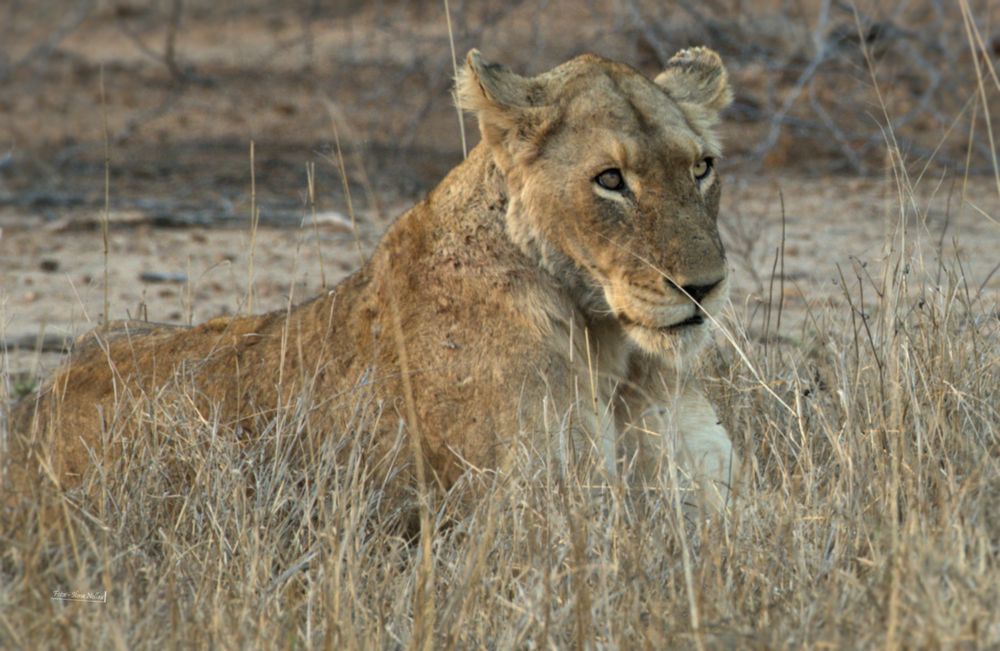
697, 77
509, 107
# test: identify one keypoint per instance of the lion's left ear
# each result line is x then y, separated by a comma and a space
696, 76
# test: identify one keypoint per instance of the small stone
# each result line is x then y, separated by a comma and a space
49, 265
162, 277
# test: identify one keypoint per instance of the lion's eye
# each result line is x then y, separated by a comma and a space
702, 168
611, 179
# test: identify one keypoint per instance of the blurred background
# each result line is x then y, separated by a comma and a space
181, 87
841, 111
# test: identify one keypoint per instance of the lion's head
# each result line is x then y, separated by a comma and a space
613, 186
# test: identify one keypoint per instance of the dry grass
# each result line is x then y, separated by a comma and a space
869, 519
871, 438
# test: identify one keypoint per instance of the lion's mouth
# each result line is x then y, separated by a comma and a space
695, 319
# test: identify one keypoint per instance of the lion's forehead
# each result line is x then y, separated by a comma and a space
636, 113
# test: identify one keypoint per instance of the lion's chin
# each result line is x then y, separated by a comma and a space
678, 344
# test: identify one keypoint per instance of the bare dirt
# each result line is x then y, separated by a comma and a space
52, 274
169, 114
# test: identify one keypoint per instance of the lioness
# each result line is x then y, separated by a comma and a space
554, 287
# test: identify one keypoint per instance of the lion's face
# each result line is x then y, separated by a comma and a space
613, 185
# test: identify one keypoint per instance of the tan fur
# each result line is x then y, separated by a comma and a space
530, 302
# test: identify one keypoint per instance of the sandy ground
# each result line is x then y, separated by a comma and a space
52, 273
374, 77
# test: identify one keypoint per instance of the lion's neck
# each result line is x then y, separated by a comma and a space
493, 221
519, 228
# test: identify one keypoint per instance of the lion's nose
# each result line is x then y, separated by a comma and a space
696, 292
